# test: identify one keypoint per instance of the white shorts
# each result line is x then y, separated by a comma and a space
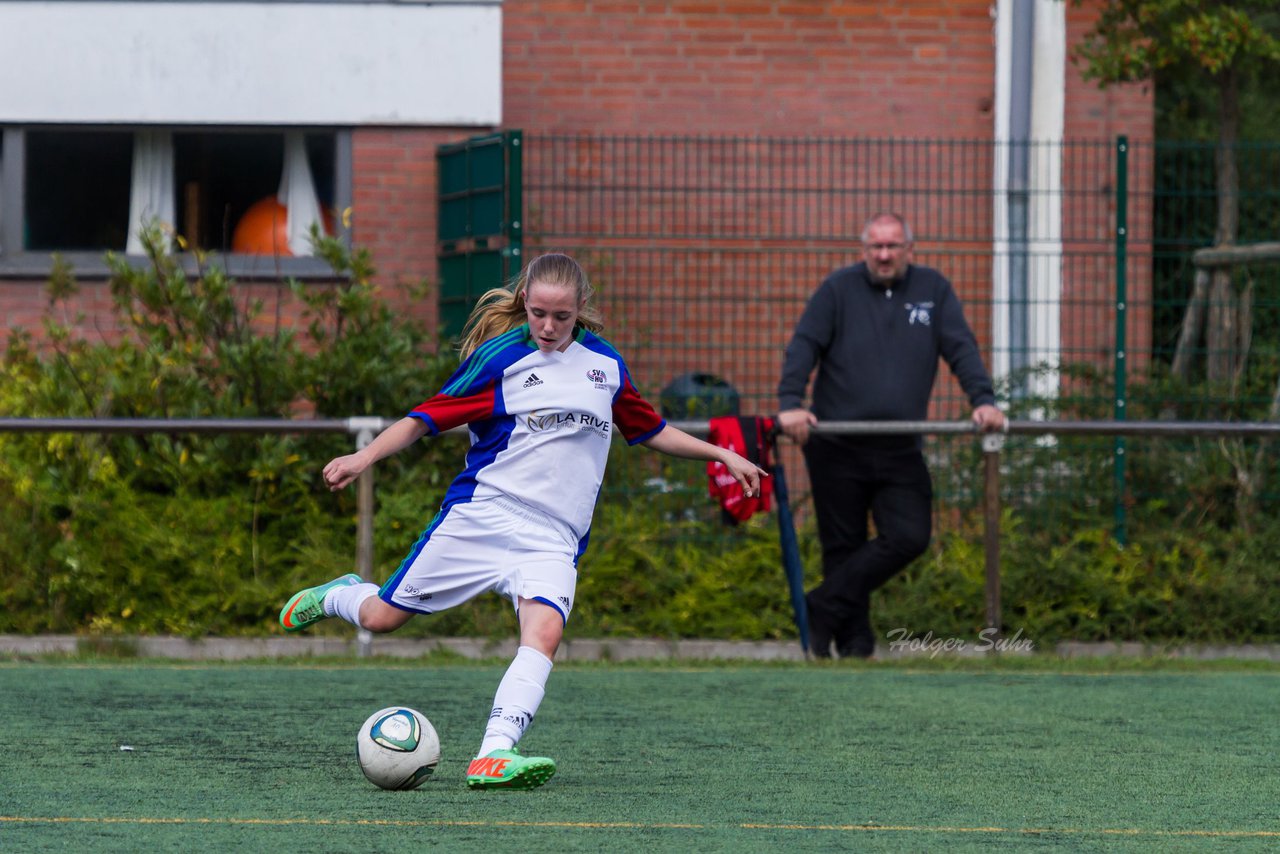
490, 544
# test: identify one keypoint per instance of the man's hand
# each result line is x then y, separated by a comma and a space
988, 418
795, 424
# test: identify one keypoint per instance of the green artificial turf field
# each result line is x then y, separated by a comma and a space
146, 756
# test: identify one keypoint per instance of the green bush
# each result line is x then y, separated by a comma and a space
1074, 581
195, 533
209, 534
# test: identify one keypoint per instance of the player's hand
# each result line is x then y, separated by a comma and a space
745, 472
988, 418
795, 424
343, 470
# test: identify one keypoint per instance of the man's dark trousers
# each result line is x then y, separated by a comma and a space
851, 477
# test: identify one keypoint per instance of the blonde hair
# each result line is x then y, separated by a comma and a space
500, 310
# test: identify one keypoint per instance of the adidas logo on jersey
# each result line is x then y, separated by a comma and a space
532, 381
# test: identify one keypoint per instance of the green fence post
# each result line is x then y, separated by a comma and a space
1122, 236
514, 216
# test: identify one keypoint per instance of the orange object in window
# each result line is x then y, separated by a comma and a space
263, 230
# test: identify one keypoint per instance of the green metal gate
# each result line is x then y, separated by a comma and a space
479, 233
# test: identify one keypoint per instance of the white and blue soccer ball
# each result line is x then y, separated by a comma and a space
398, 748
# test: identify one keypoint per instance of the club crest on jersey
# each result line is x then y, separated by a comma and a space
531, 381
598, 377
919, 313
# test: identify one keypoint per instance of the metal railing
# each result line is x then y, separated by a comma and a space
364, 429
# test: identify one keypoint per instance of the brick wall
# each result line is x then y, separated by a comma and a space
24, 304
904, 67
893, 68
394, 203
900, 68
1093, 113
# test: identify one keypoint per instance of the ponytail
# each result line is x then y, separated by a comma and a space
497, 311
500, 310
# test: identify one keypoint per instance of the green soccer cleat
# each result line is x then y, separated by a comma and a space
507, 769
307, 606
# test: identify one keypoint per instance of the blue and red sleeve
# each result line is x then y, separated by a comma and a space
634, 415
445, 411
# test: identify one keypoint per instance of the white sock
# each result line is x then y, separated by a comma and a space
345, 602
519, 694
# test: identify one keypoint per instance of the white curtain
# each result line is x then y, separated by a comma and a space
151, 195
298, 194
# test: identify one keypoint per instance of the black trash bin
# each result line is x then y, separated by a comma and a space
698, 396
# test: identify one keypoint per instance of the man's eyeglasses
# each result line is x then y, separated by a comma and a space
884, 247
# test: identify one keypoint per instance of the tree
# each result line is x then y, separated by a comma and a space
1229, 41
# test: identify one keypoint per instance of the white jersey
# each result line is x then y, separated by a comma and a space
540, 423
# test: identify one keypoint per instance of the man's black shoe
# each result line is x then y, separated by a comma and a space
857, 640
858, 646
820, 629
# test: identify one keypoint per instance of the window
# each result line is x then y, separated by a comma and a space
218, 177
77, 190
80, 191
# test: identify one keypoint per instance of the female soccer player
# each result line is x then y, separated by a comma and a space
541, 395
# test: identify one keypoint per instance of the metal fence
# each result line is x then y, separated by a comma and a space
707, 248
1076, 281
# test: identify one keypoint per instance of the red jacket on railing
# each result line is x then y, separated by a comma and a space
752, 438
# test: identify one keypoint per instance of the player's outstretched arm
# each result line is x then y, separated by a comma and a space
677, 443
341, 471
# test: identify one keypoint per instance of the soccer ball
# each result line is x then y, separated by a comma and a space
397, 748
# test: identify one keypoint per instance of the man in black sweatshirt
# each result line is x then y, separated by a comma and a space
874, 331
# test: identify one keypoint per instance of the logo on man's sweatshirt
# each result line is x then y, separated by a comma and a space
918, 312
